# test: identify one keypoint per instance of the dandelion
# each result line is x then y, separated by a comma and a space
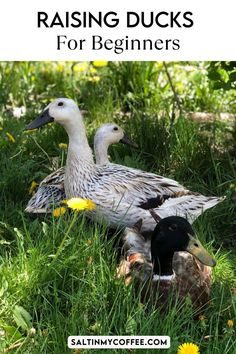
94, 78
63, 146
33, 187
60, 67
100, 64
80, 67
188, 348
10, 137
92, 70
230, 323
58, 212
80, 204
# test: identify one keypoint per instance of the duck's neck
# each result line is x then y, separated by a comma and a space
101, 152
78, 143
79, 164
162, 263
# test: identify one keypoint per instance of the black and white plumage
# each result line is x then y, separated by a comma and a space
122, 194
51, 192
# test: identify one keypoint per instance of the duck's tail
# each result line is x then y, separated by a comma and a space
45, 200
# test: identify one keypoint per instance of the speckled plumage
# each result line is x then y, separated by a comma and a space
51, 192
122, 194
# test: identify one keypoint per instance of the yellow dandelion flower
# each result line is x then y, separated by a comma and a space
33, 187
10, 137
58, 212
80, 204
100, 64
94, 78
230, 323
92, 70
90, 205
60, 67
80, 67
64, 201
188, 348
63, 146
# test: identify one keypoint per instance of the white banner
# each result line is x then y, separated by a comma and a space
118, 342
104, 30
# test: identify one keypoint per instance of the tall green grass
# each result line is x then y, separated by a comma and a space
58, 275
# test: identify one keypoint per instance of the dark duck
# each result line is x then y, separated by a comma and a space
172, 260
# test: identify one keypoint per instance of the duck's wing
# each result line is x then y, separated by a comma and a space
137, 257
45, 199
143, 190
134, 186
134, 242
49, 194
55, 178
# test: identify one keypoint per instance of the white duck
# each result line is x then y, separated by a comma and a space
123, 195
51, 192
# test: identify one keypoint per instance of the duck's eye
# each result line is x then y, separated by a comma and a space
115, 128
195, 244
173, 227
60, 103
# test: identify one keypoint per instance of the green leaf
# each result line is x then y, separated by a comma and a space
214, 75
232, 76
12, 333
131, 326
218, 85
22, 318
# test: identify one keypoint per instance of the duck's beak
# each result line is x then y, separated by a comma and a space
126, 140
43, 119
197, 250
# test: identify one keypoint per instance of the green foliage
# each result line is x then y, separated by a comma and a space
222, 75
58, 275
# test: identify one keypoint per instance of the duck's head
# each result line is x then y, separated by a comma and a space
62, 111
174, 234
111, 133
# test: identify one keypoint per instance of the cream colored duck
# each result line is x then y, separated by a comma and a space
51, 192
123, 195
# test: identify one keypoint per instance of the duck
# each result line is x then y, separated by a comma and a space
122, 194
171, 261
50, 192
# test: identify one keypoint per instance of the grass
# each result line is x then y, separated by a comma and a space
76, 291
